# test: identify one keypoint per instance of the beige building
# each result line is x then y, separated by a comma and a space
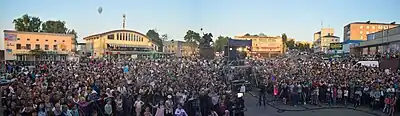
264, 46
323, 38
37, 46
180, 48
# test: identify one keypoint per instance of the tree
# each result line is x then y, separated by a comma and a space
247, 34
164, 37
261, 35
54, 27
290, 44
284, 40
193, 39
155, 37
27, 23
75, 37
220, 43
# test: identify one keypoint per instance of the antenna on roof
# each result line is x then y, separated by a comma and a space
123, 21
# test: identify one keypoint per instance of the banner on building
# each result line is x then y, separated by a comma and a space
10, 37
335, 46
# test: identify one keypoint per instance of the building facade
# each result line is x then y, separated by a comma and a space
323, 38
120, 43
264, 46
180, 48
37, 46
360, 30
385, 41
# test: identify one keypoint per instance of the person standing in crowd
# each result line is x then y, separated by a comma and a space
169, 106
138, 106
262, 96
180, 111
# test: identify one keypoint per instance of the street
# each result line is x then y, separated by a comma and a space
306, 110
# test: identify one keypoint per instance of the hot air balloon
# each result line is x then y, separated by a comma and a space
100, 9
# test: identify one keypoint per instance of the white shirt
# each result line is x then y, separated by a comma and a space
180, 112
243, 89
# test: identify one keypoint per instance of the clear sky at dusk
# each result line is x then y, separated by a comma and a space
298, 18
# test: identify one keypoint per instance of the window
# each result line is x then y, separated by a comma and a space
18, 46
46, 47
135, 37
117, 36
54, 47
63, 40
361, 27
37, 46
55, 40
28, 39
37, 39
380, 27
28, 46
361, 32
17, 38
367, 27
373, 27
47, 40
125, 36
111, 36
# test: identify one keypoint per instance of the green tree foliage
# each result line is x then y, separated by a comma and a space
164, 37
284, 40
155, 37
27, 23
220, 43
291, 44
192, 37
54, 27
34, 24
247, 34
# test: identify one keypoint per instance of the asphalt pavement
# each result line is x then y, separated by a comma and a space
279, 109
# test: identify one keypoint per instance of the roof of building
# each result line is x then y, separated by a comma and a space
112, 31
331, 36
374, 23
41, 33
319, 32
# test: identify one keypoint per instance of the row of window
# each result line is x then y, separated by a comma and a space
126, 37
373, 27
37, 46
38, 40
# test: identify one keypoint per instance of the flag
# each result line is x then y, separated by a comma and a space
10, 37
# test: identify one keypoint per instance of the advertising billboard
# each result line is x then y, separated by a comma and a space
335, 46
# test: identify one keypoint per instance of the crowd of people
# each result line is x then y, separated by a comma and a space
190, 87
309, 79
120, 87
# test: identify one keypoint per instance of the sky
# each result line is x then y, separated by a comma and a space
299, 19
